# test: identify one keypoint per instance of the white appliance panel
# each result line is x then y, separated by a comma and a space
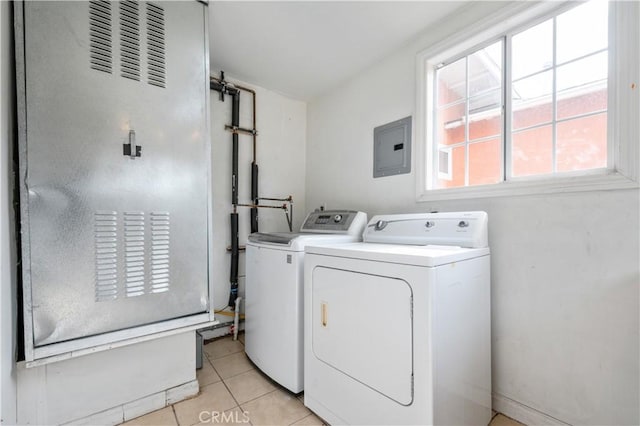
451, 345
462, 342
274, 291
344, 306
274, 297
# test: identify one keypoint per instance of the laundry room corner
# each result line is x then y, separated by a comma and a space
564, 270
311, 212
280, 149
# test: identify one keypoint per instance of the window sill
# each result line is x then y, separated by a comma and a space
604, 181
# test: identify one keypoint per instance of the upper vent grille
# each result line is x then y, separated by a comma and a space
155, 45
130, 40
100, 48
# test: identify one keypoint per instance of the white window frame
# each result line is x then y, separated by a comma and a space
623, 110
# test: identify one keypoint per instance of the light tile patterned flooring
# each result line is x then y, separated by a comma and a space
235, 390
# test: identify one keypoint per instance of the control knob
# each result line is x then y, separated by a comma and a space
337, 218
380, 225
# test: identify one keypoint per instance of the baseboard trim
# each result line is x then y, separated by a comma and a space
523, 413
125, 412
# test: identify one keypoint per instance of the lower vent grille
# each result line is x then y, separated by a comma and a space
106, 246
134, 259
132, 254
159, 252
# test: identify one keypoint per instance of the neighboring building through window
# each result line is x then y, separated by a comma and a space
529, 102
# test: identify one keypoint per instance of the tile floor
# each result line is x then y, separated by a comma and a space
230, 384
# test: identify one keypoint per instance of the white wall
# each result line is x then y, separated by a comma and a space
565, 267
7, 248
281, 125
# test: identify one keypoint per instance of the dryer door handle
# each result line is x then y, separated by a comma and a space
323, 313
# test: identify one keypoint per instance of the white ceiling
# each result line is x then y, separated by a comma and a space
304, 48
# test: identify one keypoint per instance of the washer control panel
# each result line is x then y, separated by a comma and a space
333, 221
325, 219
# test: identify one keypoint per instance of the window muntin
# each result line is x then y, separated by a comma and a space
556, 113
468, 125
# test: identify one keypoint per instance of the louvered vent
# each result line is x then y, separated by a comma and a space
444, 161
100, 48
134, 253
106, 238
130, 40
160, 252
155, 45
145, 238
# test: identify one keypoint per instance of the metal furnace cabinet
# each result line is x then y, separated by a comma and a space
114, 170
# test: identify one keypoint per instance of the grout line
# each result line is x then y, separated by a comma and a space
211, 365
214, 368
302, 418
235, 375
252, 365
305, 407
226, 356
258, 397
230, 393
175, 416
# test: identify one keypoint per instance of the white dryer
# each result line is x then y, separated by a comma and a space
397, 327
274, 291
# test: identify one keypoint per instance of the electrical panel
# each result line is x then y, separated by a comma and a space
392, 148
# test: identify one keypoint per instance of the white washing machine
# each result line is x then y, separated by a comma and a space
397, 327
274, 291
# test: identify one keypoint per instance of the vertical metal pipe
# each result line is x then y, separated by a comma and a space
254, 173
235, 257
235, 254
236, 318
254, 196
235, 122
235, 110
234, 171
254, 127
221, 86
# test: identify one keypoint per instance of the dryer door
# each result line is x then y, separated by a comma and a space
357, 315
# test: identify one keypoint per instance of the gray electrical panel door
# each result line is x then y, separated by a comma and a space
115, 165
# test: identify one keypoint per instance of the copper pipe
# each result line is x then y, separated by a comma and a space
289, 199
263, 206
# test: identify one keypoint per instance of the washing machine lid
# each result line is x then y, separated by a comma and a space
282, 238
297, 241
427, 255
318, 228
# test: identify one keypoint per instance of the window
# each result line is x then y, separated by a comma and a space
468, 117
530, 103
